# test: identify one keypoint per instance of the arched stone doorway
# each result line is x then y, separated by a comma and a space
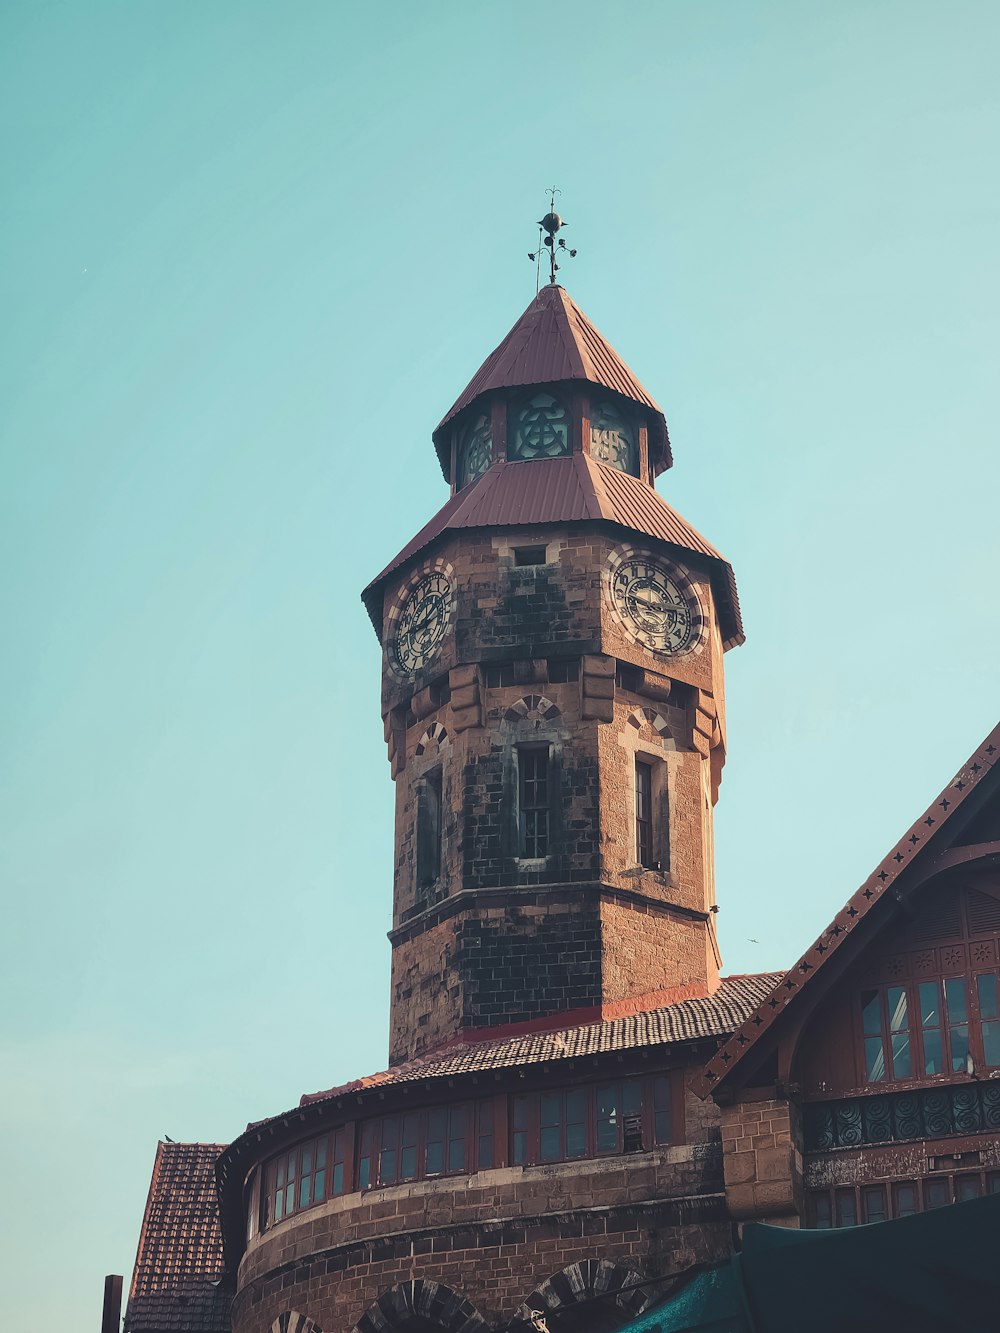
592, 1296
421, 1307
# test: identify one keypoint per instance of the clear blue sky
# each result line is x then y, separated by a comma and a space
252, 251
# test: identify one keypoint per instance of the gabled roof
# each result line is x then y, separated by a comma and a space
687, 1020
564, 490
920, 852
552, 342
178, 1265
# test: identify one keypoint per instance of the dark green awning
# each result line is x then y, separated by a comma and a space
935, 1272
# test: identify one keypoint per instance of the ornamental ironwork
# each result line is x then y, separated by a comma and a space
925, 1113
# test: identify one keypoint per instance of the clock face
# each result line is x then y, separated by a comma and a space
422, 621
475, 451
613, 438
653, 605
541, 429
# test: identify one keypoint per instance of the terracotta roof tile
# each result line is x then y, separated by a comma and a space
178, 1266
715, 1016
565, 490
552, 342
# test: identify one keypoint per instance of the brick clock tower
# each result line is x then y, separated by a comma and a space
552, 691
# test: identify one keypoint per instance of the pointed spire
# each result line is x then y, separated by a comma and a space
552, 342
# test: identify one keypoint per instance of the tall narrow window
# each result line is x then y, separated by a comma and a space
429, 829
533, 783
645, 854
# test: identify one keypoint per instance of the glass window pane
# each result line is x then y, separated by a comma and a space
456, 1155
902, 1061
954, 996
871, 1012
874, 1060
307, 1159
661, 1121
305, 1191
319, 1186
289, 1198
930, 1004
873, 1199
904, 1199
291, 1166
408, 1164
991, 1044
337, 1184
364, 1173
937, 1192
959, 1039
436, 1124
520, 1147
486, 1117
993, 1182
387, 1166
576, 1107
281, 1171
632, 1097
986, 986
434, 1159
576, 1140
411, 1125
846, 1209
485, 1152
551, 1149
822, 1216
898, 1020
520, 1113
933, 1053
279, 1204
550, 1108
321, 1154
661, 1094
967, 1187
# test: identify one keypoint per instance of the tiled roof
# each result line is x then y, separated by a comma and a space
715, 1016
565, 490
178, 1265
918, 848
552, 342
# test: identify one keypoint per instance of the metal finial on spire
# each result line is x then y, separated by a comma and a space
547, 228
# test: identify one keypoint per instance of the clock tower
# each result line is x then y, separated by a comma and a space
552, 693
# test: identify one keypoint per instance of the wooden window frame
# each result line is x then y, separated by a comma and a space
919, 1032
644, 786
958, 1185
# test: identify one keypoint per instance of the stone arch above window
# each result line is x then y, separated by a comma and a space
436, 734
293, 1322
640, 717
581, 1283
532, 703
421, 1307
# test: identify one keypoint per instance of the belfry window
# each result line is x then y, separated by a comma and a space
429, 829
644, 844
533, 800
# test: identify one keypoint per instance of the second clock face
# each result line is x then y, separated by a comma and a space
423, 620
653, 605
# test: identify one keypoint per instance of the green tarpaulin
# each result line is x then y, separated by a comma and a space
935, 1272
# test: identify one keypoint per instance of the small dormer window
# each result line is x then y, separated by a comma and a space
475, 449
613, 437
540, 428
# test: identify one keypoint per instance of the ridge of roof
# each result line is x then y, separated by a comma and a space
554, 341
686, 1020
573, 488
911, 849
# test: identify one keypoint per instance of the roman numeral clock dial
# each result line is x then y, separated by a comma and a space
655, 603
422, 621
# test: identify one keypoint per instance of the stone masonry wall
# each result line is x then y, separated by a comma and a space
763, 1161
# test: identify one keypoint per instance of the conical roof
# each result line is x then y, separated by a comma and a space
554, 341
573, 489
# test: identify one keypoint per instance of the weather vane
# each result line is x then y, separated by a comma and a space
549, 225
